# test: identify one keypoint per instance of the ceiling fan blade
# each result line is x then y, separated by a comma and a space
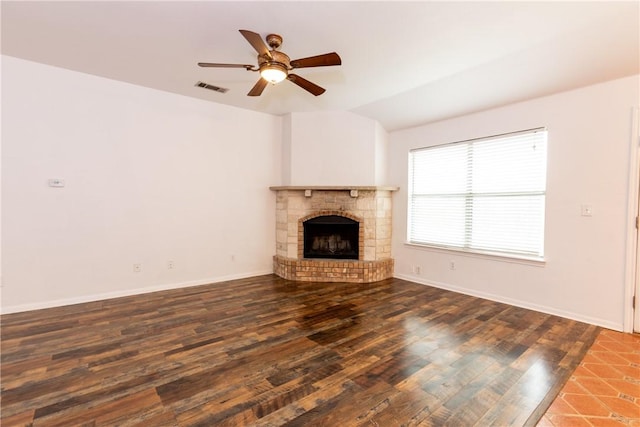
212, 64
305, 84
257, 89
317, 61
255, 40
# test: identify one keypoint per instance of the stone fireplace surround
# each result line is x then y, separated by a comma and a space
370, 206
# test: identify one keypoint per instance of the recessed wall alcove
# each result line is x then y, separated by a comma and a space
339, 212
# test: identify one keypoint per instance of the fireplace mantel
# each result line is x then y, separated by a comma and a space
369, 205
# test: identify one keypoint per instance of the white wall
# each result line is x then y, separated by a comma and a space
151, 177
381, 155
333, 148
286, 149
588, 162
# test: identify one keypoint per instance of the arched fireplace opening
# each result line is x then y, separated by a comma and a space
331, 236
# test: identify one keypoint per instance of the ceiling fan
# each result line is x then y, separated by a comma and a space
275, 66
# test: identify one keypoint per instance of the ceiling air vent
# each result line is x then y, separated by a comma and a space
212, 87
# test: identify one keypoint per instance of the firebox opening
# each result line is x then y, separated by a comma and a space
331, 236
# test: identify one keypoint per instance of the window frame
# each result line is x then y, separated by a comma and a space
467, 248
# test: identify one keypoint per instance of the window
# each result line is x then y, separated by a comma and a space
482, 195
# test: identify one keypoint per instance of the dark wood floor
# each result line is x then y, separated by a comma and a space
266, 352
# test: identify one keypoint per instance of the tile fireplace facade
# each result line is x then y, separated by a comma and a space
369, 206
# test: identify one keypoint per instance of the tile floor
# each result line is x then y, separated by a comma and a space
604, 390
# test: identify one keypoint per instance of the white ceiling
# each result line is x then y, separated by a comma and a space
404, 63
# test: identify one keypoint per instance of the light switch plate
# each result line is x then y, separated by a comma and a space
56, 182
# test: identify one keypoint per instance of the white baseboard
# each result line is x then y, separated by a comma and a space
420, 280
126, 293
517, 303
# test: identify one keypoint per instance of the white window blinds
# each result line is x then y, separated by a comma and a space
485, 195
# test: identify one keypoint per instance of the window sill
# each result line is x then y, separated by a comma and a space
495, 256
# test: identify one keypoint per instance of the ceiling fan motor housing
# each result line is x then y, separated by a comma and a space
277, 58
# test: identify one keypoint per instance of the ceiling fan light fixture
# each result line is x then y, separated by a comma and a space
273, 72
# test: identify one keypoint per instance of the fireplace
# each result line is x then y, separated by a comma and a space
333, 234
330, 236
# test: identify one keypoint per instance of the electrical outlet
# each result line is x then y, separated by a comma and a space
417, 269
586, 210
137, 268
171, 265
452, 265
